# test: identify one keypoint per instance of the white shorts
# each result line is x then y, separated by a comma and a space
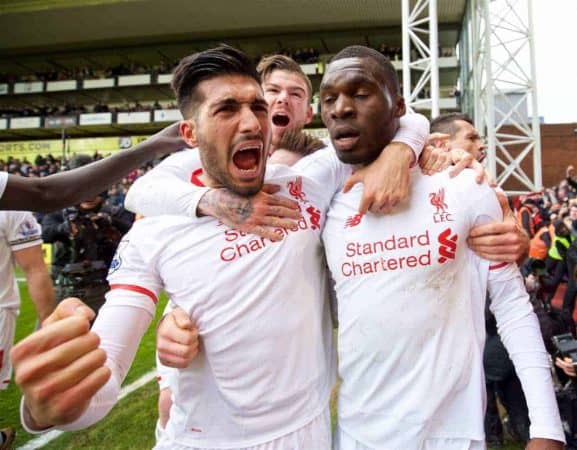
316, 435
343, 441
158, 431
7, 330
165, 375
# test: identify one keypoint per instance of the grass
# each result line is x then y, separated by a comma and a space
131, 424
127, 413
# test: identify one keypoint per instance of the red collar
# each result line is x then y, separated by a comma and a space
194, 178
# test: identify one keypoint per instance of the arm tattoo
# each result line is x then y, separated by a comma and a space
226, 206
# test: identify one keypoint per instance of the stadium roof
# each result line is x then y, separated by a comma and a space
32, 26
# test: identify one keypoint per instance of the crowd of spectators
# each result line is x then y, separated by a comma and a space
89, 73
48, 165
72, 110
85, 72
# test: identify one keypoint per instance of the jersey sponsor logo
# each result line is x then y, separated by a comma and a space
353, 221
295, 189
394, 252
238, 245
448, 245
438, 201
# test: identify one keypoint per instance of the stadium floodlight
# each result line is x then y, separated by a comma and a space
421, 54
498, 75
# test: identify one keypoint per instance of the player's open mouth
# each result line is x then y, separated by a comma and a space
345, 138
246, 159
280, 119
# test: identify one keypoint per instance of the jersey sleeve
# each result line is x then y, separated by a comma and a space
479, 201
129, 308
3, 182
23, 231
521, 335
167, 189
413, 131
133, 268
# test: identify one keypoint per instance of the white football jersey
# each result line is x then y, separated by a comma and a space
18, 230
266, 363
411, 298
3, 181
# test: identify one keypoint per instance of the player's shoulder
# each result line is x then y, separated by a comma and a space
465, 183
184, 158
17, 218
158, 228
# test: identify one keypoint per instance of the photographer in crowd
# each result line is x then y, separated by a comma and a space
85, 238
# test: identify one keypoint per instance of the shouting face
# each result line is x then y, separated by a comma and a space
231, 127
288, 98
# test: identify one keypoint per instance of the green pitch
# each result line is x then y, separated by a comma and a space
129, 425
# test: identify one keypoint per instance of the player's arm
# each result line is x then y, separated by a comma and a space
49, 368
521, 335
71, 187
37, 278
518, 328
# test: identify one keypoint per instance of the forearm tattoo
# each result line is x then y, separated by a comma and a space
226, 206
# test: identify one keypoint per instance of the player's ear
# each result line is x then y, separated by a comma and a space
187, 130
309, 116
400, 107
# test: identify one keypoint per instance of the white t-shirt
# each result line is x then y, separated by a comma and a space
266, 366
411, 301
18, 230
3, 182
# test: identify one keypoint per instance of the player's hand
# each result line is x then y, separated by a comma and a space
544, 444
167, 140
386, 180
462, 160
60, 367
177, 339
504, 241
566, 365
435, 156
261, 214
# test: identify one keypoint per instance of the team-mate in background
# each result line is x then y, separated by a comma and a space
21, 244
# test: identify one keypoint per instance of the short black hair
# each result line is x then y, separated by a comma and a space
192, 69
445, 123
360, 51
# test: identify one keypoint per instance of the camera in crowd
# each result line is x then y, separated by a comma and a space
83, 219
566, 347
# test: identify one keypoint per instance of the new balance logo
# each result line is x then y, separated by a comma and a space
353, 221
448, 245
